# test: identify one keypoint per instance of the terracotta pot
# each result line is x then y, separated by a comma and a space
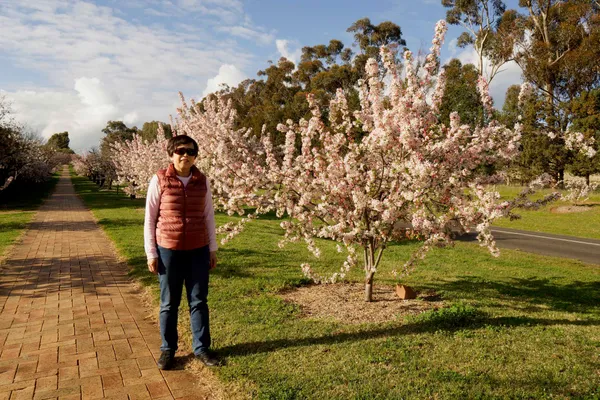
405, 292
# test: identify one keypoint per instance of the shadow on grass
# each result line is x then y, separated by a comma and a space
9, 226
402, 330
583, 297
270, 216
97, 198
577, 296
113, 223
27, 197
110, 201
252, 260
225, 270
552, 387
138, 269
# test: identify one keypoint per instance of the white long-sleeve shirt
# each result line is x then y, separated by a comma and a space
153, 207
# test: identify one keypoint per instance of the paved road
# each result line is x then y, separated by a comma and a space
586, 250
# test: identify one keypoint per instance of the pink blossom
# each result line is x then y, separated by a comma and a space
408, 167
410, 175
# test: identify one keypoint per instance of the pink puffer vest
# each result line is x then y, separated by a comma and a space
181, 221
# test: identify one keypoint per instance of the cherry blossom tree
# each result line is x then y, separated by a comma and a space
91, 164
137, 160
23, 157
410, 174
79, 165
227, 156
231, 158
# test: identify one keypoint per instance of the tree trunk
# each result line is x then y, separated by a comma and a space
561, 175
587, 179
369, 287
371, 263
7, 182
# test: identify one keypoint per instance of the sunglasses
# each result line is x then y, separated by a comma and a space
185, 150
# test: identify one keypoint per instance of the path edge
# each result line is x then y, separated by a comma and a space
217, 388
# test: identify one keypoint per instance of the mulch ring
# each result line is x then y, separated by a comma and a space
572, 209
345, 302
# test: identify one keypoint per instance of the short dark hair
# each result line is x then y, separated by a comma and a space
177, 141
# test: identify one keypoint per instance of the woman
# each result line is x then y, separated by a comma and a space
180, 243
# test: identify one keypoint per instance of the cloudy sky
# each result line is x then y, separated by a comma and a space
72, 65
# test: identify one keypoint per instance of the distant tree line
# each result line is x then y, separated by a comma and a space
555, 43
97, 163
24, 158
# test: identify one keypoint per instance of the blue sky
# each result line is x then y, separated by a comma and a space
74, 64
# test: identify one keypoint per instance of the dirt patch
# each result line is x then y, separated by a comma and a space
345, 302
571, 209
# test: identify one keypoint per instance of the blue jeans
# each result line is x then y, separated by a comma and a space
176, 268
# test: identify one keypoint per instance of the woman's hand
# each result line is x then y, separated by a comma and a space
213, 259
153, 265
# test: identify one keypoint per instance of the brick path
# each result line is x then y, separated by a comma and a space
71, 325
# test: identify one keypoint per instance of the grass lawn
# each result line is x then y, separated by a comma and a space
582, 224
520, 326
17, 208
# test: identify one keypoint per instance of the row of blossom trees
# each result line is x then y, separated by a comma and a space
23, 156
409, 176
136, 160
94, 166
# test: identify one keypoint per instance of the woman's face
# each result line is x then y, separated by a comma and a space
183, 161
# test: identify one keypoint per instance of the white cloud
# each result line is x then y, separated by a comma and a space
227, 11
232, 5
228, 74
156, 13
283, 47
93, 93
453, 47
510, 74
131, 118
248, 33
96, 66
83, 111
